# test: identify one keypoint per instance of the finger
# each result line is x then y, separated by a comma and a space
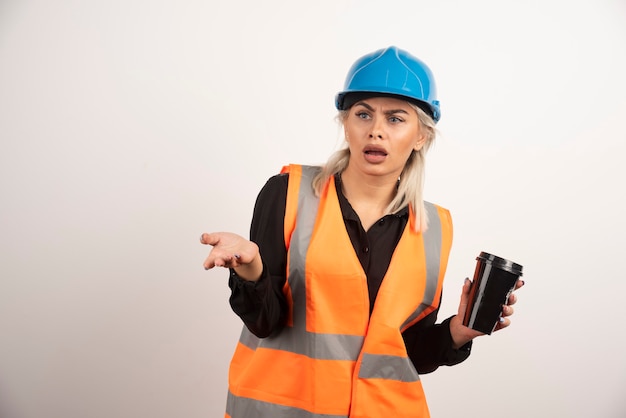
209, 263
502, 323
212, 260
231, 261
222, 261
467, 284
519, 284
507, 310
512, 299
209, 239
464, 296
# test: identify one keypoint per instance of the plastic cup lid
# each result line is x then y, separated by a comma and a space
501, 263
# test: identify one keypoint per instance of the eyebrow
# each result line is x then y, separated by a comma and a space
388, 112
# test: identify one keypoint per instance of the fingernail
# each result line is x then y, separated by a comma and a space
201, 237
523, 282
500, 320
237, 256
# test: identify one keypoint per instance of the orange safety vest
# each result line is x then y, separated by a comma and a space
333, 359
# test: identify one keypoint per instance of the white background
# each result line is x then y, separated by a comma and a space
128, 127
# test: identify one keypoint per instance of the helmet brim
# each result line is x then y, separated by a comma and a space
346, 99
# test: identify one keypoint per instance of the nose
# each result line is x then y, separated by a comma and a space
377, 130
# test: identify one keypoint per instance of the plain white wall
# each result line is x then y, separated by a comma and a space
129, 127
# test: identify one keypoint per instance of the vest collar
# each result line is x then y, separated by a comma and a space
348, 212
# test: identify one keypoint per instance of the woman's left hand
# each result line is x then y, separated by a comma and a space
461, 334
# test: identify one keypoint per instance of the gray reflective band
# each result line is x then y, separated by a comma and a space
378, 366
249, 339
238, 407
432, 249
300, 239
317, 346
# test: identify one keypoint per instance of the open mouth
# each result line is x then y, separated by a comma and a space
374, 155
376, 152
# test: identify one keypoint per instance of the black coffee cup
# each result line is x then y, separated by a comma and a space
494, 281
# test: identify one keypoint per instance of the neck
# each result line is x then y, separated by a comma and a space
369, 196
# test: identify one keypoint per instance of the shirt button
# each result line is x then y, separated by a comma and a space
366, 249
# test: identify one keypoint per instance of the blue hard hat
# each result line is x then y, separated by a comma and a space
391, 72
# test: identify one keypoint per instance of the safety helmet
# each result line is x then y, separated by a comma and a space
394, 72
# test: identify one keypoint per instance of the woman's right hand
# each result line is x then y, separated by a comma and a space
233, 251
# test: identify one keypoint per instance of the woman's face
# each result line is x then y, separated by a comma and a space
381, 133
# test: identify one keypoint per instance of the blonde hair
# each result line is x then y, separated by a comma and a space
411, 183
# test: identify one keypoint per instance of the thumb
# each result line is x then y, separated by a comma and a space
209, 239
467, 285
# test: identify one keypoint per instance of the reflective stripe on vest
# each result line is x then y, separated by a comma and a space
320, 364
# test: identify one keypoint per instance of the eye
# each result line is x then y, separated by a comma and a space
395, 119
362, 115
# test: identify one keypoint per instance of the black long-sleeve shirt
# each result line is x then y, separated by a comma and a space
263, 307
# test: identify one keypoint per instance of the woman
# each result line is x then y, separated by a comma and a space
340, 282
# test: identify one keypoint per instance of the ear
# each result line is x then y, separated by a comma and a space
421, 140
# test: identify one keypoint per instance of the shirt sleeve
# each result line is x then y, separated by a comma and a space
429, 345
262, 305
